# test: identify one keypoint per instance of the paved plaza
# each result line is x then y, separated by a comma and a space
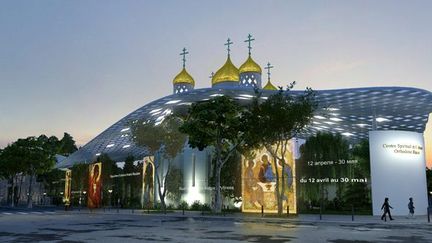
138, 226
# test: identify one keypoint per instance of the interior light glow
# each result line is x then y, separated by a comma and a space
156, 113
381, 119
110, 145
336, 119
348, 134
126, 146
167, 112
215, 95
319, 117
98, 154
247, 95
172, 102
362, 124
329, 122
125, 129
155, 110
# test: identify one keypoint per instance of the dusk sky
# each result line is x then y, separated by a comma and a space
79, 66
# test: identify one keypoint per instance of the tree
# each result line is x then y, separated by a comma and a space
79, 180
216, 123
51, 181
10, 166
358, 194
276, 120
230, 177
128, 181
66, 145
164, 138
323, 147
38, 157
174, 183
33, 157
361, 153
109, 168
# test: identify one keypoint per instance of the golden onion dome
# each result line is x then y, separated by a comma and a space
250, 66
270, 86
184, 77
228, 72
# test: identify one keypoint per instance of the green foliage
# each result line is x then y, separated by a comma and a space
333, 147
66, 145
79, 177
34, 156
174, 183
196, 206
357, 194
280, 117
109, 168
10, 162
216, 123
229, 177
183, 205
323, 147
52, 181
273, 122
165, 139
361, 153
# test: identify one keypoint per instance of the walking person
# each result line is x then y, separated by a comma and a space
386, 206
411, 207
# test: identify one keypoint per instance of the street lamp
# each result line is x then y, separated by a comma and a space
110, 192
84, 192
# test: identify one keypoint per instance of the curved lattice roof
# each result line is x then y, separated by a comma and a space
351, 112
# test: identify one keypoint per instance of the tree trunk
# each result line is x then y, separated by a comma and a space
284, 180
278, 188
161, 195
19, 189
278, 192
218, 198
13, 192
30, 192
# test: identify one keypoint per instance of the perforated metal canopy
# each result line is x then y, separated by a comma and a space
350, 112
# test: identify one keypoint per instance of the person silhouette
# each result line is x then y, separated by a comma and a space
386, 206
411, 207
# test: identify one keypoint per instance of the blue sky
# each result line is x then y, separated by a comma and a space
79, 66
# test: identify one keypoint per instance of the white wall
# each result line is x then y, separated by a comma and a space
398, 173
